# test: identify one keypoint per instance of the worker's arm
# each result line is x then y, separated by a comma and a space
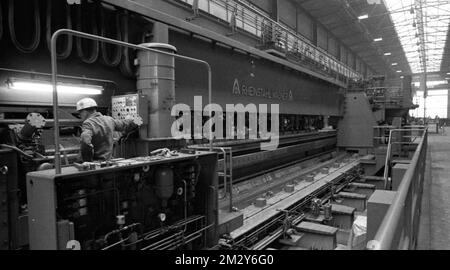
127, 125
86, 147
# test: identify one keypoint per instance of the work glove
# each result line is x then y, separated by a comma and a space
137, 120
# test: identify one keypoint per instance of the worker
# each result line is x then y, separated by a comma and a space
97, 131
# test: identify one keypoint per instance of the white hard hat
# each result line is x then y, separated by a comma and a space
86, 103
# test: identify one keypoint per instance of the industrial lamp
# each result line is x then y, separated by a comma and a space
43, 86
362, 17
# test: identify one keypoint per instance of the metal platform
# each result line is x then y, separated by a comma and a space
435, 218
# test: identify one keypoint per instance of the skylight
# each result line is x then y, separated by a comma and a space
436, 17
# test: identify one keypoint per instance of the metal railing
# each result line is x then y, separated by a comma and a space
227, 170
245, 16
387, 163
400, 226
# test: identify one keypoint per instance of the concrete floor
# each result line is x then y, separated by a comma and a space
434, 230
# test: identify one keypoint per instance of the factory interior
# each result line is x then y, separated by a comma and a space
224, 125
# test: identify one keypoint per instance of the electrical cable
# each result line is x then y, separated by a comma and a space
17, 150
114, 59
69, 39
125, 66
37, 28
93, 56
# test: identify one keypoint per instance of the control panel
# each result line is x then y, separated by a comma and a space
126, 106
130, 107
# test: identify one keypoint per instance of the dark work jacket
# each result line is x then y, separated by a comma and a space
97, 136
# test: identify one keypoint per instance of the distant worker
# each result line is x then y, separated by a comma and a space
97, 131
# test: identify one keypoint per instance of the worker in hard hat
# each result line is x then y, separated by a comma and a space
97, 131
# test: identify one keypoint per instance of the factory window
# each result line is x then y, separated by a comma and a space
343, 55
304, 25
287, 14
436, 104
292, 43
322, 38
292, 30
249, 21
240, 16
203, 5
332, 46
350, 60
357, 65
246, 19
219, 10
264, 5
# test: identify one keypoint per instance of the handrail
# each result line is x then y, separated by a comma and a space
352, 73
266, 17
226, 185
54, 59
405, 208
386, 163
388, 154
291, 38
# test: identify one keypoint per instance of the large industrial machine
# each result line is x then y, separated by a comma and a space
159, 192
141, 203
